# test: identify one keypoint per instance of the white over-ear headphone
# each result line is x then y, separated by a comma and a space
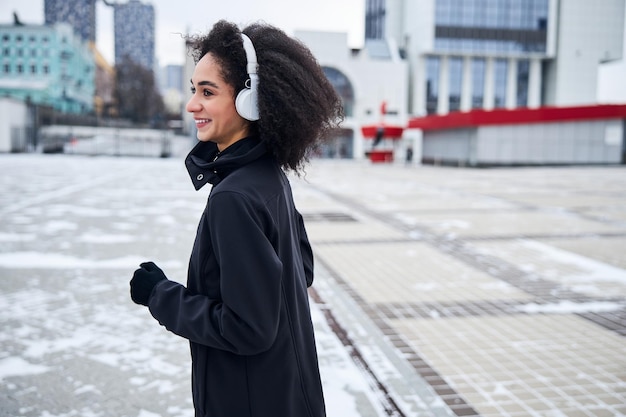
246, 102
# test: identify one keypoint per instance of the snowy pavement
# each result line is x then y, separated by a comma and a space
439, 291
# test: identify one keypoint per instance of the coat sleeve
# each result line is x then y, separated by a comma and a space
245, 321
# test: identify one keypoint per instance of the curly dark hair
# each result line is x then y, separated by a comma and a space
298, 106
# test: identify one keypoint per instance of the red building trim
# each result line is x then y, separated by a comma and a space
476, 118
389, 131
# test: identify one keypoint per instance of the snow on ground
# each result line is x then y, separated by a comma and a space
72, 342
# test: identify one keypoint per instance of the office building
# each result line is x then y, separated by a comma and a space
134, 32
47, 65
487, 54
449, 70
79, 14
171, 87
366, 80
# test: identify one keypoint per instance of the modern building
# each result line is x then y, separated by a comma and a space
79, 14
172, 77
104, 101
356, 76
367, 80
565, 135
134, 32
486, 54
47, 65
171, 87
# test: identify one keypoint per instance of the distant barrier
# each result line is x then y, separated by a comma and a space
86, 140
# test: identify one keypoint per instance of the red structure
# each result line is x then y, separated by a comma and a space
479, 117
382, 133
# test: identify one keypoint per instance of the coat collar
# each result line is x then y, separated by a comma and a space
206, 164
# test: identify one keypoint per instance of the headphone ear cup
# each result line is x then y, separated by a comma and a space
246, 104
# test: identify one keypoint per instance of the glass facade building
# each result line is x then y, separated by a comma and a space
469, 54
134, 32
480, 28
79, 14
498, 26
375, 19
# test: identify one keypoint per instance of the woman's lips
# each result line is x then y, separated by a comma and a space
200, 123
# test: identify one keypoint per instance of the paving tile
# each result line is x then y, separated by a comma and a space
572, 269
495, 292
411, 272
607, 249
351, 231
559, 360
509, 223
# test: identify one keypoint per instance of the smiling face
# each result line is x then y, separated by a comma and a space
213, 106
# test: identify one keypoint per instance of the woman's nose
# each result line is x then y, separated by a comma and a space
192, 105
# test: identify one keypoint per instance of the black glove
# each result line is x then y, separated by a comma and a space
143, 282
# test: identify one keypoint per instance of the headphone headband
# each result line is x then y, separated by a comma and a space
246, 102
252, 65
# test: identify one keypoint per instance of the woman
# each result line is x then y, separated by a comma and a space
245, 309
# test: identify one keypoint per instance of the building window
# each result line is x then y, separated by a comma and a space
456, 81
20, 68
523, 69
33, 69
505, 26
46, 69
6, 51
500, 74
19, 38
478, 82
6, 37
344, 89
432, 83
375, 11
6, 68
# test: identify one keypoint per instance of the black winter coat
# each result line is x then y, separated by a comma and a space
245, 310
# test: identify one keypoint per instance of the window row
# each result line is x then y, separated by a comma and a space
21, 38
512, 14
495, 46
6, 52
478, 77
8, 68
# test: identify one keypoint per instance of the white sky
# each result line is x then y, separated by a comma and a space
191, 16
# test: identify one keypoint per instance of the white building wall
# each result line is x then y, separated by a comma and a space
589, 32
394, 22
576, 142
418, 29
373, 81
13, 125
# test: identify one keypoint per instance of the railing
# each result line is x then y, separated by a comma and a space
85, 140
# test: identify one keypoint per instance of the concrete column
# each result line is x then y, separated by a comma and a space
511, 84
443, 99
419, 87
490, 80
466, 86
534, 83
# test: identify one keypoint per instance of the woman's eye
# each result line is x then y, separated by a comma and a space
206, 93
193, 90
